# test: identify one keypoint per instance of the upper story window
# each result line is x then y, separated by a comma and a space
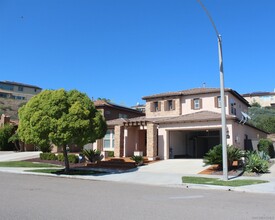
196, 104
218, 101
20, 88
169, 105
6, 87
233, 107
155, 106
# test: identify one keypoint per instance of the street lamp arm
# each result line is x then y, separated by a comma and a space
210, 18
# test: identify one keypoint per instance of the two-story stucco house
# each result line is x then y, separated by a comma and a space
185, 124
20, 91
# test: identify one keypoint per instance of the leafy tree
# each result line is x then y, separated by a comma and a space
104, 99
255, 104
5, 133
263, 118
266, 145
61, 118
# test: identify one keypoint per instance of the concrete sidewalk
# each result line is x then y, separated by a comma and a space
161, 173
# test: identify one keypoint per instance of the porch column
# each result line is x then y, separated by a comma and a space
119, 141
152, 136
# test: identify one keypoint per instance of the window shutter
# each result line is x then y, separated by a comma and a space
216, 102
152, 109
173, 105
159, 106
225, 101
192, 103
200, 103
166, 105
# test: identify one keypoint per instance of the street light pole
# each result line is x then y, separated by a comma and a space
223, 115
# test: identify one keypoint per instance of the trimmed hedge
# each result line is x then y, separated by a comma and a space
51, 156
48, 156
71, 157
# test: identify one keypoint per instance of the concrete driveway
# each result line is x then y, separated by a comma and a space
17, 156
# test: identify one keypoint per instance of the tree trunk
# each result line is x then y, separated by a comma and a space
66, 160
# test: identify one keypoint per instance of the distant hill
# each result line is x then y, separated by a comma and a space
10, 107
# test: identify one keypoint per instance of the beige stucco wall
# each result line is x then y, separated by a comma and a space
264, 101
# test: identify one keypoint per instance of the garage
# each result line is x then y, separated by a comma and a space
192, 144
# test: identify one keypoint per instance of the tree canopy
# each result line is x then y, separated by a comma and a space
60, 117
263, 118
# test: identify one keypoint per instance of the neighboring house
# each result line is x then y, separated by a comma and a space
15, 90
4, 119
265, 99
185, 124
139, 107
112, 111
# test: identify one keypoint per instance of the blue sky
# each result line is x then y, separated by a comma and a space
126, 49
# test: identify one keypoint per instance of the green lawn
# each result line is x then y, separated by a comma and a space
219, 182
25, 164
62, 172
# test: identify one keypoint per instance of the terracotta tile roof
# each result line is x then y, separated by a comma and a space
258, 94
19, 84
193, 117
196, 91
186, 92
102, 103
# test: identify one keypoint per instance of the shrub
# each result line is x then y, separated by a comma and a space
71, 157
214, 156
111, 154
93, 155
137, 159
5, 133
45, 149
48, 156
254, 163
266, 145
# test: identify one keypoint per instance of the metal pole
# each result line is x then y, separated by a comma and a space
223, 115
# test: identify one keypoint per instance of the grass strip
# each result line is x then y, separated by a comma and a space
25, 164
219, 182
62, 172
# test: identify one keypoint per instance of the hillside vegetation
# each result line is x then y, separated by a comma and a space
10, 107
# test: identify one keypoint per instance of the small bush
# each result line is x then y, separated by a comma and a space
93, 155
137, 159
48, 156
45, 149
214, 155
254, 163
73, 158
266, 145
111, 154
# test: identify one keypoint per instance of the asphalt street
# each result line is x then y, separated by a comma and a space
42, 197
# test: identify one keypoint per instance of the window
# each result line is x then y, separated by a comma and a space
218, 101
155, 106
6, 87
232, 107
20, 88
196, 104
108, 140
122, 115
169, 105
